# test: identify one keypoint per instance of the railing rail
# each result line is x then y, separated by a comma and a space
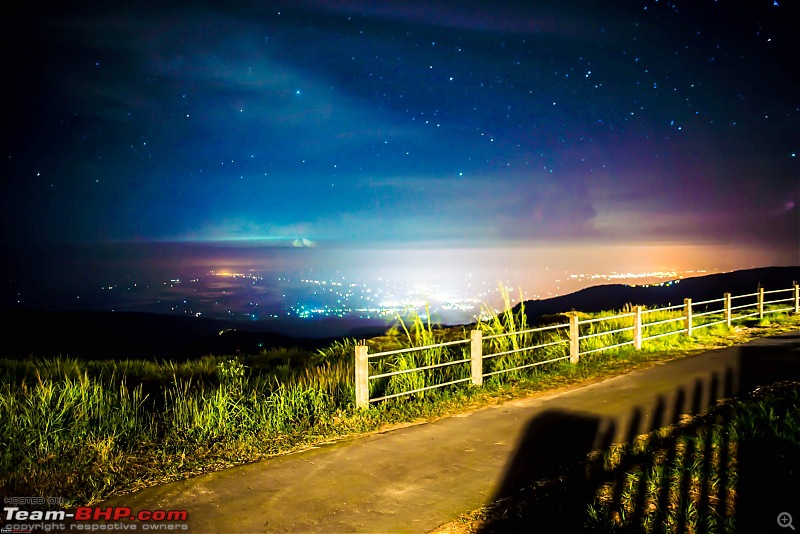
609, 318
778, 291
524, 349
664, 321
528, 331
619, 336
665, 308
608, 332
417, 349
708, 301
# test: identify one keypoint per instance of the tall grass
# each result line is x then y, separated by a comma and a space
87, 412
688, 477
419, 333
511, 328
57, 432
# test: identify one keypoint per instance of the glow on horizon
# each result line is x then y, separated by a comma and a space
455, 269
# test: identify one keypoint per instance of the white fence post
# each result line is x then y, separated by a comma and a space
637, 328
797, 298
476, 356
727, 298
574, 339
362, 376
687, 313
760, 302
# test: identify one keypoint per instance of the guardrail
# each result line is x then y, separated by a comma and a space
562, 342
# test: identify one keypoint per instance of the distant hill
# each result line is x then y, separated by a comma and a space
615, 296
133, 335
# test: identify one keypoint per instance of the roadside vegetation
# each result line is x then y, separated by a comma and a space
88, 430
716, 472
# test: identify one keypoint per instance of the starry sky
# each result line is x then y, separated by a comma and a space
459, 122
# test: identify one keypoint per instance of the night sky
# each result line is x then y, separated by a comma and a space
456, 122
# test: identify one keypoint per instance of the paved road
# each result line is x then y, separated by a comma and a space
416, 478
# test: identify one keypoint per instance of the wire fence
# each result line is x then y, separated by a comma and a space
415, 370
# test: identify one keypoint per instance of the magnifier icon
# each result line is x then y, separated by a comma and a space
785, 520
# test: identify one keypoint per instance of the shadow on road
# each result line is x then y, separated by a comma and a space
676, 477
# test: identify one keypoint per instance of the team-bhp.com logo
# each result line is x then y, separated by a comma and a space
93, 518
116, 513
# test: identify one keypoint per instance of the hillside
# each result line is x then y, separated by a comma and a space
134, 335
616, 296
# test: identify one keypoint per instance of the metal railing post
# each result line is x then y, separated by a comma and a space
760, 302
687, 313
637, 328
797, 298
574, 339
362, 376
728, 306
476, 356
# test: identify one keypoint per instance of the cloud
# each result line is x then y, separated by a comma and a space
467, 15
210, 66
303, 242
652, 221
238, 229
487, 208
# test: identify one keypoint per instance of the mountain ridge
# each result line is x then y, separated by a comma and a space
708, 287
